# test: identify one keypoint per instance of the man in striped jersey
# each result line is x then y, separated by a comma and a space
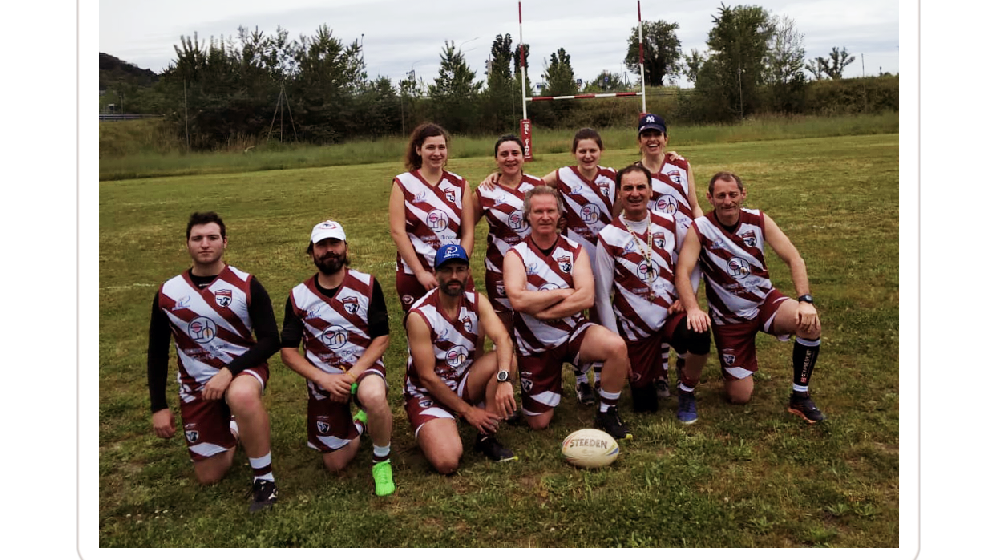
448, 373
212, 310
728, 243
340, 314
549, 282
635, 263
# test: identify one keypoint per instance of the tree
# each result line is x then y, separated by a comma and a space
605, 81
454, 91
500, 103
785, 65
662, 53
692, 65
814, 66
558, 76
836, 63
729, 80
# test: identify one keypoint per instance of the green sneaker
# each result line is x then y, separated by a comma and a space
383, 484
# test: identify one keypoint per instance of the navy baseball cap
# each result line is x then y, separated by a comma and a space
447, 253
651, 121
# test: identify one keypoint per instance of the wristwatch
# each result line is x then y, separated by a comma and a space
502, 376
806, 298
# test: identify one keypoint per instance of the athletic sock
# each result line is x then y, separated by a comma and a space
685, 388
360, 428
804, 356
261, 468
606, 400
581, 377
381, 453
597, 372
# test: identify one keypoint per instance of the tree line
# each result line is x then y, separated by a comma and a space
315, 88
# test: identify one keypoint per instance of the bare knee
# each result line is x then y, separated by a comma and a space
213, 469
334, 461
244, 396
538, 422
445, 464
739, 390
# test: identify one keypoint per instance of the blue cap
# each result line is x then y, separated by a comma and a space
447, 253
652, 121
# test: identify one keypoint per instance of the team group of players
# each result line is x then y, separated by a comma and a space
587, 266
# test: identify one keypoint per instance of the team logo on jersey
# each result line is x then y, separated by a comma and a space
577, 189
517, 223
407, 299
427, 403
500, 288
658, 240
738, 267
351, 304
223, 297
648, 272
674, 176
590, 214
666, 203
450, 195
531, 269
202, 330
419, 197
605, 191
322, 426
466, 321
457, 356
184, 303
313, 311
749, 239
190, 433
549, 286
727, 356
565, 264
715, 244
334, 337
437, 220
525, 384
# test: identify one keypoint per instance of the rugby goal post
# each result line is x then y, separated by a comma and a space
525, 127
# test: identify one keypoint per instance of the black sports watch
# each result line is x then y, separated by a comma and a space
502, 376
806, 298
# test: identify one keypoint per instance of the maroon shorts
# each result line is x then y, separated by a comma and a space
540, 374
736, 343
496, 291
206, 423
330, 424
422, 407
647, 361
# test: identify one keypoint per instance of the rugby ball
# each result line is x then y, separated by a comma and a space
590, 448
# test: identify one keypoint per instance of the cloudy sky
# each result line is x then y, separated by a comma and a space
400, 35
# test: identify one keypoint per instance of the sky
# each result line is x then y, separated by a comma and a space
399, 36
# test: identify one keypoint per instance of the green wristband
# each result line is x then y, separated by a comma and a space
353, 389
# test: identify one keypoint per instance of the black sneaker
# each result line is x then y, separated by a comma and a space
264, 494
662, 387
585, 393
802, 405
611, 423
644, 399
494, 450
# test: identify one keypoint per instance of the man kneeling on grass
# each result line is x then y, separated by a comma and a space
447, 373
341, 315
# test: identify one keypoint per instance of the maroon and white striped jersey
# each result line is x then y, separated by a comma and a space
643, 291
454, 341
671, 191
588, 204
211, 326
432, 214
503, 209
336, 330
546, 272
734, 266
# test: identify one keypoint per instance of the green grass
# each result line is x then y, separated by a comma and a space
143, 149
748, 476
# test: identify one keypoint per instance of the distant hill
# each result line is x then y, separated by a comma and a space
113, 70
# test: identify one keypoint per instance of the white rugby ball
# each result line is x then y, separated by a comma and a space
590, 448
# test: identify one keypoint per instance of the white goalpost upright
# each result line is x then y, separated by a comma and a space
525, 128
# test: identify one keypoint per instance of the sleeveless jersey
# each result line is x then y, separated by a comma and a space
432, 215
734, 266
634, 279
670, 192
588, 204
211, 326
336, 331
546, 272
454, 341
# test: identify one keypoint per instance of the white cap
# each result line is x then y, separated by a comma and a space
326, 230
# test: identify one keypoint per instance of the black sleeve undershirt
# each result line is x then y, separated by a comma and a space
261, 314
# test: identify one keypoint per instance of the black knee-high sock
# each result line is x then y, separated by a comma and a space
805, 355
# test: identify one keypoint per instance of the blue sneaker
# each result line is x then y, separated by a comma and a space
687, 411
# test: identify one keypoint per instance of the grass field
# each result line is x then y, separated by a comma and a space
748, 476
